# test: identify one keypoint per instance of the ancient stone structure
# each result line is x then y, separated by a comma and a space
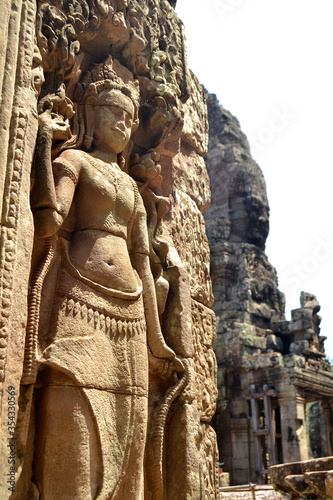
108, 373
268, 368
307, 479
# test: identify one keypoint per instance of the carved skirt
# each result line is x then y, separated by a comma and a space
98, 339
93, 387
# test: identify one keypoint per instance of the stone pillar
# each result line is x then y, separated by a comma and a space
328, 414
240, 450
20, 80
293, 428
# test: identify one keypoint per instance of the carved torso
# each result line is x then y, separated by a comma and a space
103, 210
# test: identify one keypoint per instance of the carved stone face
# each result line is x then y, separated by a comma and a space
113, 119
249, 218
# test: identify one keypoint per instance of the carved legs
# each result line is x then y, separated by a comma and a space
89, 444
67, 450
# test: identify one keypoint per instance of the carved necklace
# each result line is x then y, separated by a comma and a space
116, 180
108, 171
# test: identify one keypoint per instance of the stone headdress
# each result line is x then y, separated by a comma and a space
108, 75
103, 76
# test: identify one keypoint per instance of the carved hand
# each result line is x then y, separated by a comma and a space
164, 367
55, 110
54, 124
146, 169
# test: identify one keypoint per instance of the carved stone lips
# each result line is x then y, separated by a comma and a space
120, 132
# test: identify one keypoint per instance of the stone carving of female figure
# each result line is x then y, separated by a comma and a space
98, 308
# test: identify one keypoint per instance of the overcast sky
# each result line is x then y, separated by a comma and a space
270, 62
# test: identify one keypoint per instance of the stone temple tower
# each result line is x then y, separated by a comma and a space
268, 368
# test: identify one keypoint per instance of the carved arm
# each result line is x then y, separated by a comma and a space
52, 192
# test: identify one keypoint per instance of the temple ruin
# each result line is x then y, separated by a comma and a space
269, 368
107, 367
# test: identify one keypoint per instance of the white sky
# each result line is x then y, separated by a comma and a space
267, 59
